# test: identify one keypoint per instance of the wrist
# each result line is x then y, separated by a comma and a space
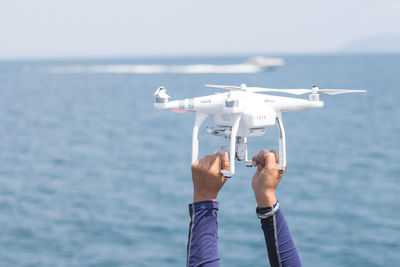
197, 197
266, 199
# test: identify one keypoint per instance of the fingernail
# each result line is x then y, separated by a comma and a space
225, 156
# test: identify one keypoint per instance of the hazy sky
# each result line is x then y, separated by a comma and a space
89, 28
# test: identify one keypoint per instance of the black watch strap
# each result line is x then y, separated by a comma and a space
267, 212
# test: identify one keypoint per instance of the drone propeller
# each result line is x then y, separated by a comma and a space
339, 91
288, 91
228, 87
314, 90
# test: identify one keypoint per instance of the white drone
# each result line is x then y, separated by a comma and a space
242, 113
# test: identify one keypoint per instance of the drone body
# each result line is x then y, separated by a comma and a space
242, 113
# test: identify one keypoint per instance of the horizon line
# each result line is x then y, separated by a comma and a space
191, 55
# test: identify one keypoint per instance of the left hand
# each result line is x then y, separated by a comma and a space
266, 178
207, 177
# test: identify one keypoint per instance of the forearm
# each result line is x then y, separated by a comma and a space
281, 248
202, 248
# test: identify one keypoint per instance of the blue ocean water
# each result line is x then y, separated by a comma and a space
92, 175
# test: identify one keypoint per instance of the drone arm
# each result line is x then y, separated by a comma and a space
198, 121
282, 142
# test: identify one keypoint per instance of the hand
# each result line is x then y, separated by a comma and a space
207, 178
266, 178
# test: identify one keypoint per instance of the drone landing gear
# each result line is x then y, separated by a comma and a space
198, 121
282, 142
238, 144
232, 154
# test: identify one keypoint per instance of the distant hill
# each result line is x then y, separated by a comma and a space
385, 43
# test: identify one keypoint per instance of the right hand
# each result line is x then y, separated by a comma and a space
266, 178
207, 177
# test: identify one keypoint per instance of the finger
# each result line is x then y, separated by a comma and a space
195, 164
204, 162
270, 160
284, 169
211, 161
276, 155
224, 161
215, 161
203, 159
258, 160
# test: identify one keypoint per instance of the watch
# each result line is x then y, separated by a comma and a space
264, 213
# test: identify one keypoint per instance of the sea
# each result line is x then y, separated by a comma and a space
92, 175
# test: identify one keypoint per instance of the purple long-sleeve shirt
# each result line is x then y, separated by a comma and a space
280, 246
202, 248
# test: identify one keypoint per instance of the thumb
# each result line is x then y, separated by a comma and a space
224, 161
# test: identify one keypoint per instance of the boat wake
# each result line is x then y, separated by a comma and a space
253, 65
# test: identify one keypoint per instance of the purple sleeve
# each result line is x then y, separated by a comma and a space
280, 245
202, 247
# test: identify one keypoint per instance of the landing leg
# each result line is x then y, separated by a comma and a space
235, 128
198, 121
282, 142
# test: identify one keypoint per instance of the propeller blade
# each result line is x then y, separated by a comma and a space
228, 87
289, 91
305, 91
340, 91
261, 89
